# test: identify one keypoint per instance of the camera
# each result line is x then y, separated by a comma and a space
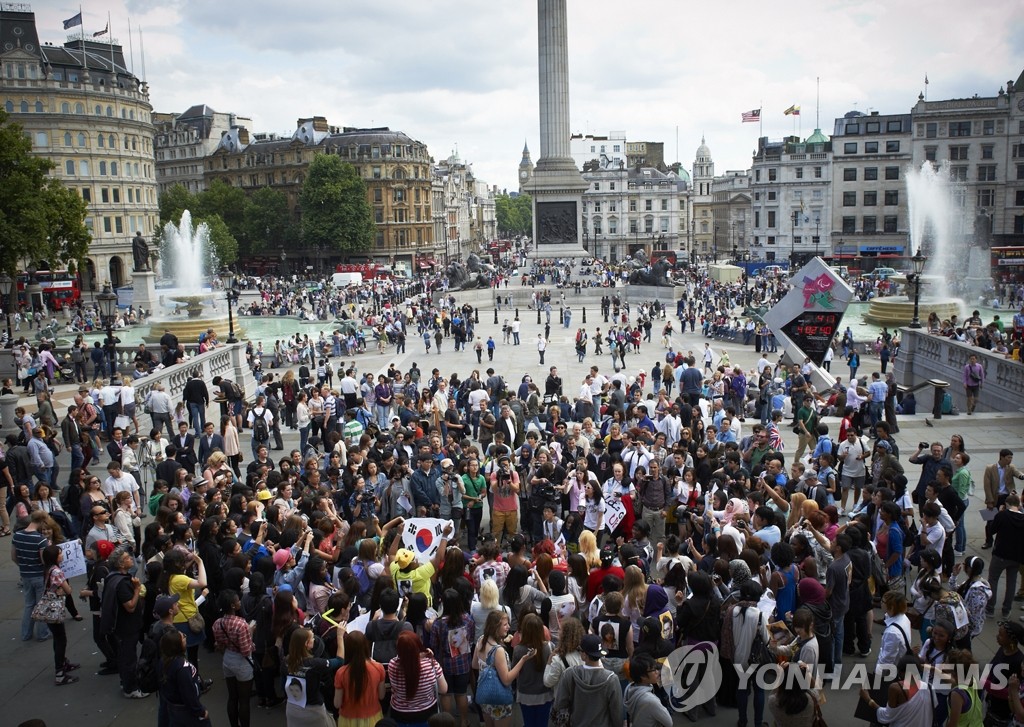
922, 445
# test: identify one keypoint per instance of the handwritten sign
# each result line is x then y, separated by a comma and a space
74, 558
423, 535
614, 512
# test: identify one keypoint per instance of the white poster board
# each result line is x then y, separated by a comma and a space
74, 559
614, 512
422, 535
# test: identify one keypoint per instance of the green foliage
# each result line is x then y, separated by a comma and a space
206, 207
514, 214
222, 243
173, 202
224, 201
267, 222
40, 218
336, 214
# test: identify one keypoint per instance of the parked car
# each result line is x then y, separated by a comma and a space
883, 273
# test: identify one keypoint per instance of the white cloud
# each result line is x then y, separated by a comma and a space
460, 73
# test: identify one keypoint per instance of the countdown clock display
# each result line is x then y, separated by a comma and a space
812, 332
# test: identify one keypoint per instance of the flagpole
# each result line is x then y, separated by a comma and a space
81, 26
110, 39
131, 48
760, 120
142, 53
817, 104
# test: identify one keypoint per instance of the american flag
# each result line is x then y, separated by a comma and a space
751, 116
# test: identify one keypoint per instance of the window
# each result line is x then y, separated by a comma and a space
892, 147
633, 228
988, 128
850, 147
104, 195
1018, 224
376, 173
79, 108
117, 195
648, 205
649, 224
849, 199
83, 168
378, 215
849, 175
771, 239
772, 195
896, 126
757, 220
69, 168
871, 147
613, 227
986, 197
399, 195
113, 169
931, 130
892, 173
930, 153
817, 172
597, 186
771, 218
664, 224
849, 225
870, 199
757, 175
870, 225
118, 225
664, 205
892, 197
871, 174
773, 175
873, 127
890, 223
960, 128
958, 153
598, 227
958, 173
986, 172
799, 172
757, 196
41, 138
611, 186
852, 129
65, 108
107, 226
1018, 200
378, 195
612, 207
131, 195
1020, 171
632, 205
987, 151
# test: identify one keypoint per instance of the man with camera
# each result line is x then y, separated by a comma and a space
655, 497
505, 492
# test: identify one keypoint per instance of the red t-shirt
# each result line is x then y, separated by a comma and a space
597, 575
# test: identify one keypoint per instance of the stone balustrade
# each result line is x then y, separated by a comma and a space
925, 356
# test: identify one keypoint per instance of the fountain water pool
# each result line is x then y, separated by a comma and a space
188, 309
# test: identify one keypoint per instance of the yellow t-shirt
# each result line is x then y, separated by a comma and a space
413, 581
187, 602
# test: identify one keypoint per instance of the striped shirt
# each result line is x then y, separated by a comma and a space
27, 544
426, 692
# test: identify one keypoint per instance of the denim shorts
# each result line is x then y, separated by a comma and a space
237, 666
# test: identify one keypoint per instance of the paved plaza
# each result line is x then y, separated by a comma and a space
95, 701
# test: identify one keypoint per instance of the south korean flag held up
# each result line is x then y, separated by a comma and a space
423, 535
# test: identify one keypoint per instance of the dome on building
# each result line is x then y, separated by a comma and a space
703, 153
817, 138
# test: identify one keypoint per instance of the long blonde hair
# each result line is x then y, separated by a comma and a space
589, 550
634, 586
796, 501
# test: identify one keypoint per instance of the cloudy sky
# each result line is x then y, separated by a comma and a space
463, 73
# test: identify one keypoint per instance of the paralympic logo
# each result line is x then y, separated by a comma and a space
692, 675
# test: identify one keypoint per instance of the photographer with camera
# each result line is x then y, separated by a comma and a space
655, 498
505, 492
450, 491
544, 485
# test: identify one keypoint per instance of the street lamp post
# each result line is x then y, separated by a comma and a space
6, 288
919, 261
817, 233
227, 279
107, 302
715, 244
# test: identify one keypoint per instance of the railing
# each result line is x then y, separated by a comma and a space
925, 356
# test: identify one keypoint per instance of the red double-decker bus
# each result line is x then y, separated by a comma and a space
60, 288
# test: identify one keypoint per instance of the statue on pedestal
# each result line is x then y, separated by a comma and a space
140, 253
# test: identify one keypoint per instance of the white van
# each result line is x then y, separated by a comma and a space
342, 280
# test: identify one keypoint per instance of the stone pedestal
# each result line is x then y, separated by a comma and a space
556, 185
8, 402
144, 290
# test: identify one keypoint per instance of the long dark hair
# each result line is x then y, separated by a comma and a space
974, 567
454, 607
50, 555
174, 565
172, 645
514, 583
357, 653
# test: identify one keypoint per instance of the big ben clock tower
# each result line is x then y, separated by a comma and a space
525, 168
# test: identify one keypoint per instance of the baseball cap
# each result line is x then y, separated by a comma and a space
164, 603
447, 464
404, 557
591, 646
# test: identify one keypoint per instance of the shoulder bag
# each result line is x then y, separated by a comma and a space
489, 687
50, 608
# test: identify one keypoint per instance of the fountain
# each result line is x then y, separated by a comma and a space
186, 255
933, 211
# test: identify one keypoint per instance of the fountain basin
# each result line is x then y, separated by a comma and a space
898, 310
189, 329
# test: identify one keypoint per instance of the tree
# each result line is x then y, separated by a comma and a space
225, 201
514, 214
335, 211
223, 244
40, 218
173, 202
267, 221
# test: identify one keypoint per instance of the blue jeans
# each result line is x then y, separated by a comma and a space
33, 590
303, 438
77, 458
197, 412
838, 634
536, 715
741, 704
382, 415
960, 534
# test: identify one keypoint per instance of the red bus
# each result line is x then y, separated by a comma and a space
369, 271
60, 288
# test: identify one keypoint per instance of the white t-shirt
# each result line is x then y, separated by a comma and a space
475, 397
848, 453
593, 510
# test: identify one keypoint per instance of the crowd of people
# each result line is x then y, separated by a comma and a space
586, 531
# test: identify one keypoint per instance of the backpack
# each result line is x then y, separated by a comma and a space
109, 607
362, 575
145, 669
71, 499
260, 429
383, 638
234, 391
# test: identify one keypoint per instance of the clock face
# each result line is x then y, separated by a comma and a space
812, 332
1020, 104
523, 174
